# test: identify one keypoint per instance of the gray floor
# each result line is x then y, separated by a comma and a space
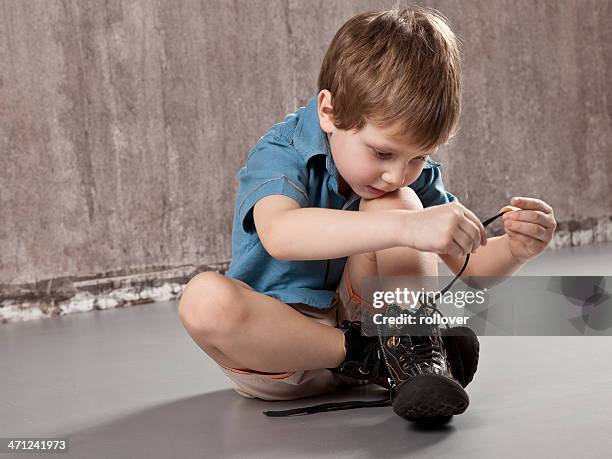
130, 383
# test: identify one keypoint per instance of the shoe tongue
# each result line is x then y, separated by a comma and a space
427, 338
416, 340
419, 331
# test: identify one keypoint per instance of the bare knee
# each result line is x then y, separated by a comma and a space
389, 261
402, 198
365, 264
210, 306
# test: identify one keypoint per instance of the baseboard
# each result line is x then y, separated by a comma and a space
66, 295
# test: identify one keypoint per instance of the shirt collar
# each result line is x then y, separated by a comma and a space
311, 140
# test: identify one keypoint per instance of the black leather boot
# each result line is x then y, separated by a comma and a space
364, 359
412, 367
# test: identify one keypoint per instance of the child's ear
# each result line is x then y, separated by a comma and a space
326, 111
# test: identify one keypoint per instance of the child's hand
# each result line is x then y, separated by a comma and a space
530, 227
446, 229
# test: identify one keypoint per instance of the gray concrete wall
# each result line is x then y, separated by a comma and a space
123, 125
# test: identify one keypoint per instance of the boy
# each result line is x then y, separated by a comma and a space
343, 189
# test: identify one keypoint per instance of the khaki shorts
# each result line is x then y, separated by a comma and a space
299, 384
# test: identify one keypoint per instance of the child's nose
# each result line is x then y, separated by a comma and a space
394, 178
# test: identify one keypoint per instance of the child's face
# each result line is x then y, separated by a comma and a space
371, 163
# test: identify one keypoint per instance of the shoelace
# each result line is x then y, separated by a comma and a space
418, 354
421, 352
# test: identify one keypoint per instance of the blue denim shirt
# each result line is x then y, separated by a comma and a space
294, 159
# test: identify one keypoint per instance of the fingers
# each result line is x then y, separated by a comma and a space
468, 234
456, 250
532, 204
528, 220
536, 224
539, 218
509, 208
481, 237
469, 237
464, 243
527, 229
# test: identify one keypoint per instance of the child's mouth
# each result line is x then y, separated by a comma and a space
375, 191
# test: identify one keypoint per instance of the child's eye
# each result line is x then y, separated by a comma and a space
380, 155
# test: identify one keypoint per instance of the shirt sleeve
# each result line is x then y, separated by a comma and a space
430, 189
273, 167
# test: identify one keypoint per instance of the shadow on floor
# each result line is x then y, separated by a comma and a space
224, 424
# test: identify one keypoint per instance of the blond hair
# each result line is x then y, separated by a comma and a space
399, 65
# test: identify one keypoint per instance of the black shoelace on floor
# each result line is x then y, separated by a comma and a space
336, 406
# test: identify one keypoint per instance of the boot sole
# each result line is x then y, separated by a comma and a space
430, 396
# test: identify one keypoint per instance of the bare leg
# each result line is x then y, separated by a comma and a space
241, 328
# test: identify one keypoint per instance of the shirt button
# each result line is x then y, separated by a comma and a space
290, 141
